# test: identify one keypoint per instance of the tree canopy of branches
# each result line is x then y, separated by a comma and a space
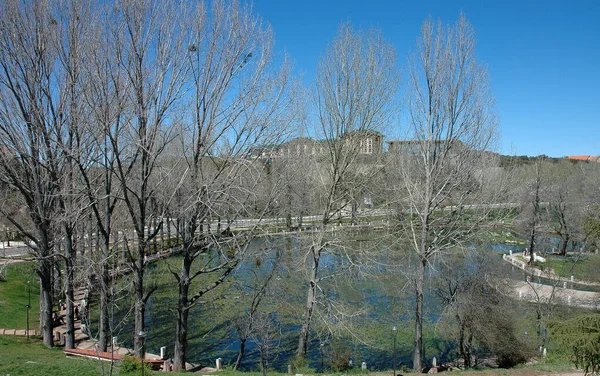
451, 125
37, 82
355, 87
240, 99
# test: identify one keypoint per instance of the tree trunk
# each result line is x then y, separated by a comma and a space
104, 322
238, 361
288, 215
461, 342
45, 272
69, 280
464, 344
418, 345
536, 208
181, 341
139, 342
311, 299
532, 246
564, 244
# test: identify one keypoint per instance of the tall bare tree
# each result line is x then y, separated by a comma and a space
106, 101
150, 45
451, 125
241, 100
567, 200
71, 45
356, 84
33, 100
532, 209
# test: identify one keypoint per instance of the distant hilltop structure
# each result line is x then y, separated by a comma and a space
585, 158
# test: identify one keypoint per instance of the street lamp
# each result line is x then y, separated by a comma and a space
28, 307
142, 335
395, 331
322, 363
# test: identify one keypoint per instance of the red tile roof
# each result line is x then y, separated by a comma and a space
579, 157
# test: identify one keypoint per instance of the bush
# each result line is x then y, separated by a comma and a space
130, 365
581, 337
300, 365
340, 358
511, 358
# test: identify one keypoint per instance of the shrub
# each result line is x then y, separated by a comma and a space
300, 365
130, 365
581, 336
340, 358
509, 359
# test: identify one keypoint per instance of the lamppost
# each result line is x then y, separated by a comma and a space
28, 307
142, 335
395, 331
322, 363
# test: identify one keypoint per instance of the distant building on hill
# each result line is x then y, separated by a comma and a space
584, 158
368, 142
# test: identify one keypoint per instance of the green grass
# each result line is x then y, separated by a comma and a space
582, 268
14, 297
500, 235
19, 357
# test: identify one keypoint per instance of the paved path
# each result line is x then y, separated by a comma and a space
540, 273
557, 293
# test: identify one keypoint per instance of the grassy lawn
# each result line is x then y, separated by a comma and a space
14, 297
19, 357
583, 268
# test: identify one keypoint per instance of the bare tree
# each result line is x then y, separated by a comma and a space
472, 289
451, 125
105, 97
266, 336
355, 87
71, 45
32, 128
567, 200
150, 46
241, 99
533, 211
244, 324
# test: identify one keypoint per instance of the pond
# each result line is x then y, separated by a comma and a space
356, 310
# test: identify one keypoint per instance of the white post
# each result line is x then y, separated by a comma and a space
363, 366
163, 352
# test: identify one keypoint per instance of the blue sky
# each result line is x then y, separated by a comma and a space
543, 57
